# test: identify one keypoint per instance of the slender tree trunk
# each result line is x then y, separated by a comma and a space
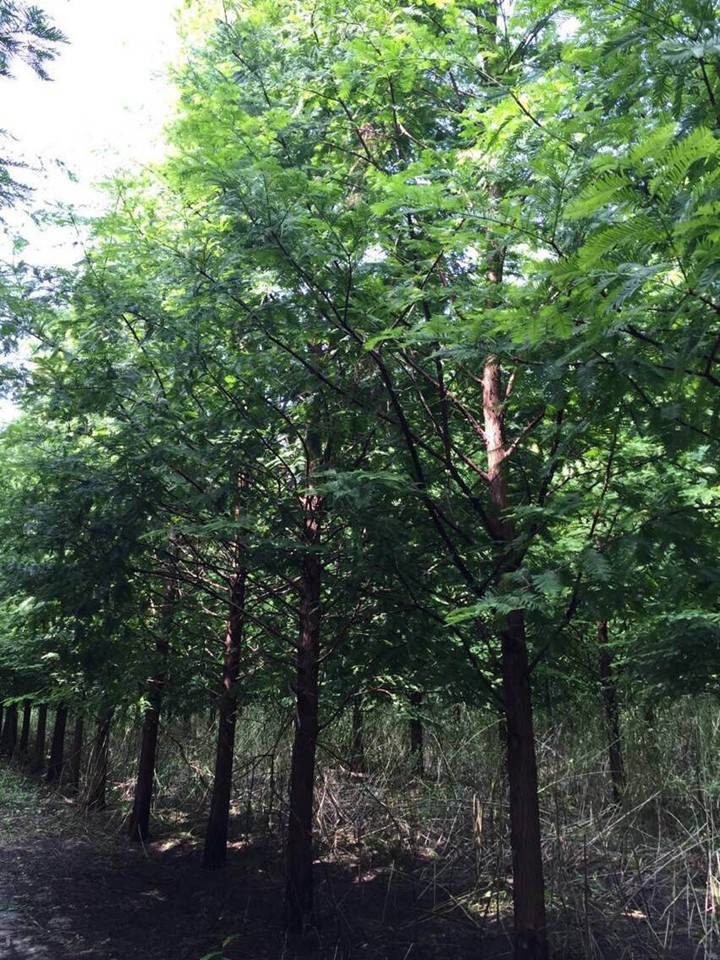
611, 710
650, 717
96, 798
417, 746
528, 883
139, 820
57, 746
8, 737
24, 744
38, 761
299, 851
215, 851
75, 758
357, 738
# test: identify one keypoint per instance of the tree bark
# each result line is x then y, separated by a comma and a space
417, 747
357, 738
299, 851
24, 744
216, 837
525, 838
38, 761
57, 746
8, 737
611, 710
139, 819
75, 758
96, 798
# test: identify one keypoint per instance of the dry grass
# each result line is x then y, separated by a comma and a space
642, 880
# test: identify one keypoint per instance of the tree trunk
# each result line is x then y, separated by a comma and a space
611, 710
215, 852
139, 819
57, 746
75, 758
357, 738
96, 799
528, 882
24, 744
417, 750
8, 737
525, 838
299, 851
38, 761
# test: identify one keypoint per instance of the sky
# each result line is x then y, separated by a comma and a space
104, 109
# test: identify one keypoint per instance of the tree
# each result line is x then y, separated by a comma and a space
28, 36
391, 345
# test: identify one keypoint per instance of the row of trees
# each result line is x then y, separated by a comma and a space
397, 378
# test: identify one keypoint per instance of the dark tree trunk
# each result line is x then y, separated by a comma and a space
139, 820
24, 744
38, 761
8, 737
525, 838
57, 746
528, 882
417, 749
138, 826
357, 738
75, 758
215, 851
650, 717
611, 710
299, 850
96, 798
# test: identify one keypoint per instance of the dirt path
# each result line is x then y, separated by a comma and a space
74, 889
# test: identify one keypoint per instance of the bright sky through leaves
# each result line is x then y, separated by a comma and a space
104, 108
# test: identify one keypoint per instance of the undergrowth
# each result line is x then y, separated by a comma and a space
637, 879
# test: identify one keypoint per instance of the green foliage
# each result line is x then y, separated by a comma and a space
302, 298
26, 35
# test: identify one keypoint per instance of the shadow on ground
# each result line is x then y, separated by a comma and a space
73, 889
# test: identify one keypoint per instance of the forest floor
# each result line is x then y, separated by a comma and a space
73, 887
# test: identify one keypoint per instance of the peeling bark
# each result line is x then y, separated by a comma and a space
528, 882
